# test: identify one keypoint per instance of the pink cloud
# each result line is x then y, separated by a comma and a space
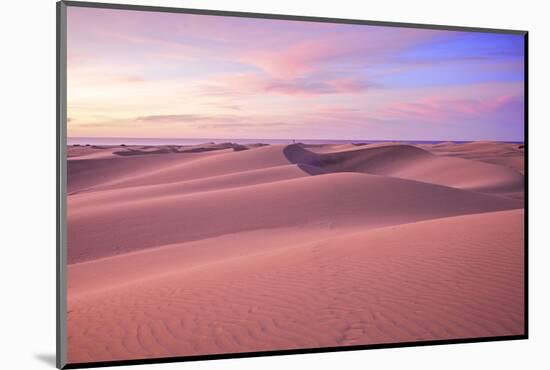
314, 87
437, 109
337, 114
253, 83
295, 60
345, 47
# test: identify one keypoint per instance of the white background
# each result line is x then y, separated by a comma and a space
27, 155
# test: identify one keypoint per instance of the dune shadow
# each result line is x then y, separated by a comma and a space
365, 159
312, 170
307, 161
131, 152
178, 149
47, 358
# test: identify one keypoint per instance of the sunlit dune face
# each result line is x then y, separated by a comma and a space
148, 74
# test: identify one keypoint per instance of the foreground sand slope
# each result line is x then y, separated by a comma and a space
419, 281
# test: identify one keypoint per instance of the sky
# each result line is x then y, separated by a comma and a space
144, 74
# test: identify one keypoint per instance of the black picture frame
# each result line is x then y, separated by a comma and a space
61, 177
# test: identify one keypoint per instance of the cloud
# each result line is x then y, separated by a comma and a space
238, 85
173, 118
295, 60
245, 124
129, 79
346, 49
503, 107
229, 106
314, 87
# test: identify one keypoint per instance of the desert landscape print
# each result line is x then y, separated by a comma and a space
242, 185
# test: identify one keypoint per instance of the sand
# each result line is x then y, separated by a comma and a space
224, 248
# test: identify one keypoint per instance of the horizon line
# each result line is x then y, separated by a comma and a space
289, 139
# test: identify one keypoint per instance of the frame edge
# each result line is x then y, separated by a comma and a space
526, 183
288, 17
61, 175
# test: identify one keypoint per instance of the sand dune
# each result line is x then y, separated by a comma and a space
85, 172
126, 171
228, 181
409, 282
340, 200
411, 162
505, 154
215, 248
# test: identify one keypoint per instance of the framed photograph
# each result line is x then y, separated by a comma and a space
237, 184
